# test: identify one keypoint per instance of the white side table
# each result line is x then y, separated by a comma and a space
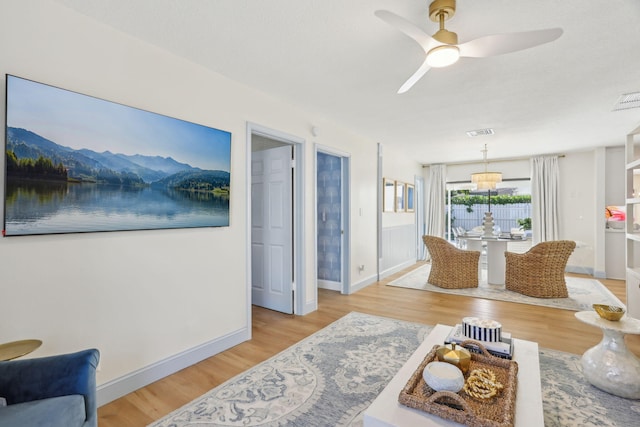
610, 365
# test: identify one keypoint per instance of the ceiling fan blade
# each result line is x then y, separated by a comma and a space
415, 77
499, 44
423, 39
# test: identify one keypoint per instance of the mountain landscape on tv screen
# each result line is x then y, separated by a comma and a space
84, 165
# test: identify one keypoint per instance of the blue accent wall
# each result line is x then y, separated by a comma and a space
329, 221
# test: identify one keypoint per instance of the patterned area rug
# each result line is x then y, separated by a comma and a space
582, 292
331, 377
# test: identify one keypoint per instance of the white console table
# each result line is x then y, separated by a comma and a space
385, 411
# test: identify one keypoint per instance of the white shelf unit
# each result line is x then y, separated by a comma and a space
632, 195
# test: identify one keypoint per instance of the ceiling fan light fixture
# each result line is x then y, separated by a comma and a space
442, 49
443, 56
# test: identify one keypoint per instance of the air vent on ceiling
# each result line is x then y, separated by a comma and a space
479, 132
627, 101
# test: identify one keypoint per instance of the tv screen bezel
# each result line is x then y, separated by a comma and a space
222, 154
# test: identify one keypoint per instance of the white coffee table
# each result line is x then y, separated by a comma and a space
385, 411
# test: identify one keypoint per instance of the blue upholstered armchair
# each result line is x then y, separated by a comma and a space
50, 391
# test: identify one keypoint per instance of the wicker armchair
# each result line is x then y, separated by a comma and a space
451, 268
540, 271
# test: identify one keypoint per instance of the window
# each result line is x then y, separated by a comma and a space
510, 204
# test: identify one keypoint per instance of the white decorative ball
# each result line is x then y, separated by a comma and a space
443, 376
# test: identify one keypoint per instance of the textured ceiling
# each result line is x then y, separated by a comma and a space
334, 58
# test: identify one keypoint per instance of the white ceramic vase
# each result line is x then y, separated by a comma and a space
488, 224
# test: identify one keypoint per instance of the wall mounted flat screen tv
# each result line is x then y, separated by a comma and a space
75, 163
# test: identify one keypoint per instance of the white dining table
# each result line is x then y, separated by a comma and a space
496, 263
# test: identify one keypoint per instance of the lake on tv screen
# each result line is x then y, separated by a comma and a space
75, 163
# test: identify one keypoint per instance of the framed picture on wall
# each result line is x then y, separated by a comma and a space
76, 164
410, 197
400, 201
388, 194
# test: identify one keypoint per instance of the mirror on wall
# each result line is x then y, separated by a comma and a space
388, 196
400, 196
409, 198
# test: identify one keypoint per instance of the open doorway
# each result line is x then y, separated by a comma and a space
332, 220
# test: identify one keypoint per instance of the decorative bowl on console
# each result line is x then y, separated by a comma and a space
609, 312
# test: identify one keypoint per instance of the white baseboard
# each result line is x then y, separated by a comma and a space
355, 287
119, 387
309, 307
389, 271
328, 284
580, 270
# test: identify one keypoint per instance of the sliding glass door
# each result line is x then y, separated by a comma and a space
510, 204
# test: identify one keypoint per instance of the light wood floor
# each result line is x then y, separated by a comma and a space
273, 332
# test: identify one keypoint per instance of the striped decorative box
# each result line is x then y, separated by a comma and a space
482, 329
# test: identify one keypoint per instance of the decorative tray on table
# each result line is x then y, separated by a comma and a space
498, 411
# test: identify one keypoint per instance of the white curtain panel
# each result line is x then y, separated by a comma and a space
420, 225
436, 201
544, 198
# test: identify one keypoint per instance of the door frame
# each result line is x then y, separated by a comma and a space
299, 251
345, 159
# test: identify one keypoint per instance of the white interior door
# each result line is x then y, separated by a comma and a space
272, 229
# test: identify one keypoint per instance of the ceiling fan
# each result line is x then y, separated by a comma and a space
442, 48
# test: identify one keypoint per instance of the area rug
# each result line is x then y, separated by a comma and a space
331, 377
582, 292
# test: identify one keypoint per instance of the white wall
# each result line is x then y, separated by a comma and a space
615, 242
364, 211
399, 238
149, 299
590, 180
404, 168
615, 176
578, 208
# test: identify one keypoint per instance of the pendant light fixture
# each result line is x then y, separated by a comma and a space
486, 180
